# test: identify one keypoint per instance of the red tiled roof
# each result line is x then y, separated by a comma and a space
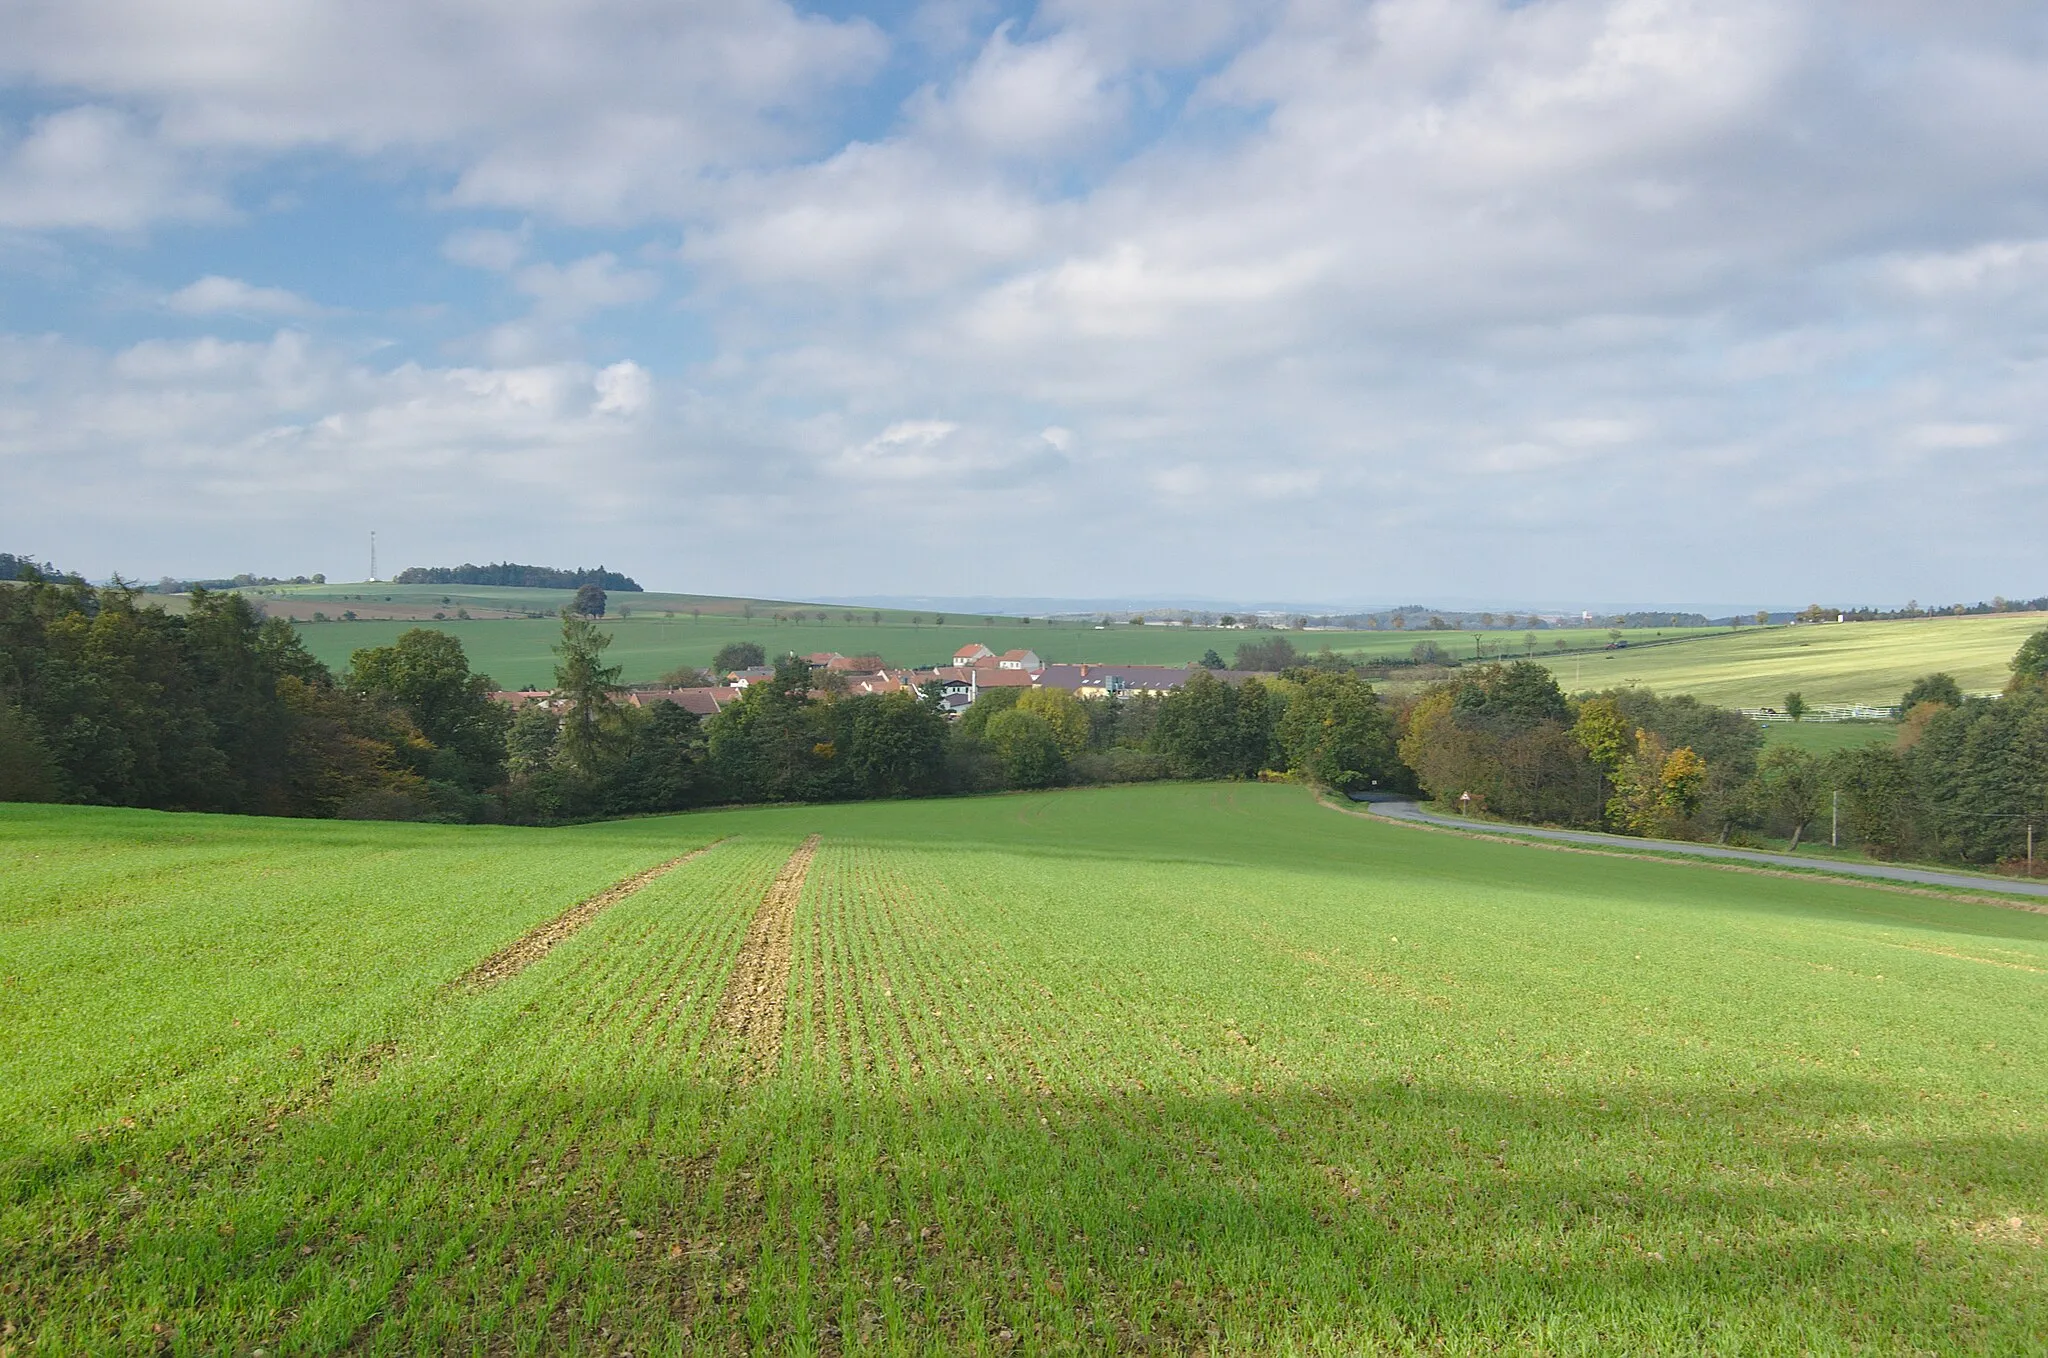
993, 678
702, 701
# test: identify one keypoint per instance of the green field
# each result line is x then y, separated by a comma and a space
1865, 662
376, 598
1170, 1068
1839, 663
515, 651
1826, 737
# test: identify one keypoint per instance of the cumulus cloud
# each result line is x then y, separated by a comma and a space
289, 446
215, 295
95, 167
585, 286
906, 450
1534, 296
485, 248
597, 110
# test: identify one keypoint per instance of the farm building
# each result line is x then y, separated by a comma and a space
1099, 681
704, 702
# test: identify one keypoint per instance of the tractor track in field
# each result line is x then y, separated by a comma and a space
757, 994
543, 938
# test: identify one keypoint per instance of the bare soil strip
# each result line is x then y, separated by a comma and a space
757, 994
540, 940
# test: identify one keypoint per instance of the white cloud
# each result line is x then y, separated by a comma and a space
1640, 276
595, 110
623, 389
484, 248
94, 167
906, 450
588, 285
1958, 436
215, 295
270, 440
1025, 99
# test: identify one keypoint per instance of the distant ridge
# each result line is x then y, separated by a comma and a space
517, 577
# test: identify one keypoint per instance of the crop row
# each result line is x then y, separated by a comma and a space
499, 1125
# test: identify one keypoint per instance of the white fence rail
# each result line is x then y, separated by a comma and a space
1825, 712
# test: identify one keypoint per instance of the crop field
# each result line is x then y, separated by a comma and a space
1170, 1068
647, 645
1865, 662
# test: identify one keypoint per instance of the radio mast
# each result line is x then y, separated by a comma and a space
373, 555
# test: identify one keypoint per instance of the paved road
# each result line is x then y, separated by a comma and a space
1402, 809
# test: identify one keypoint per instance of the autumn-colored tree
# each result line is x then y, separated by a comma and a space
1604, 732
1063, 712
1684, 782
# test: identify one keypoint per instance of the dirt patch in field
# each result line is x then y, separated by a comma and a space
540, 940
752, 1007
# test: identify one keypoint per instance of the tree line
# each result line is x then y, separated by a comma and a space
517, 576
106, 700
800, 735
1962, 782
23, 566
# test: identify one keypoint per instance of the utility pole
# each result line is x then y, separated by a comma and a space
1835, 831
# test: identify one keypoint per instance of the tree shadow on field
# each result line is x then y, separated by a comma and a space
664, 1212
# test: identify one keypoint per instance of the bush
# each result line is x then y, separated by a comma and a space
1028, 749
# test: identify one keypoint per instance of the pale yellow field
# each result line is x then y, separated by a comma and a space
1858, 662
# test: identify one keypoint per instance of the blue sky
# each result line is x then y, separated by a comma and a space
1656, 300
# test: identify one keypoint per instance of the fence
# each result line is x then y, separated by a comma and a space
1825, 712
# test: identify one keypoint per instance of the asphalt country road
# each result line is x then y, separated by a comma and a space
1398, 808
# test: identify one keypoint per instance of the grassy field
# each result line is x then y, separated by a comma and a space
1869, 662
381, 599
1826, 737
515, 651
1161, 1069
1862, 662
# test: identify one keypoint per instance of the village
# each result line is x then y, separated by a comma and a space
973, 669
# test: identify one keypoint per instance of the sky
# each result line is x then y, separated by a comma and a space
1370, 301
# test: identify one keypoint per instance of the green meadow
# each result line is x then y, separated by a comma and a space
334, 597
514, 651
1826, 737
1161, 1069
1865, 662
1751, 667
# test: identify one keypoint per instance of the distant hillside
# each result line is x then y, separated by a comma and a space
515, 576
